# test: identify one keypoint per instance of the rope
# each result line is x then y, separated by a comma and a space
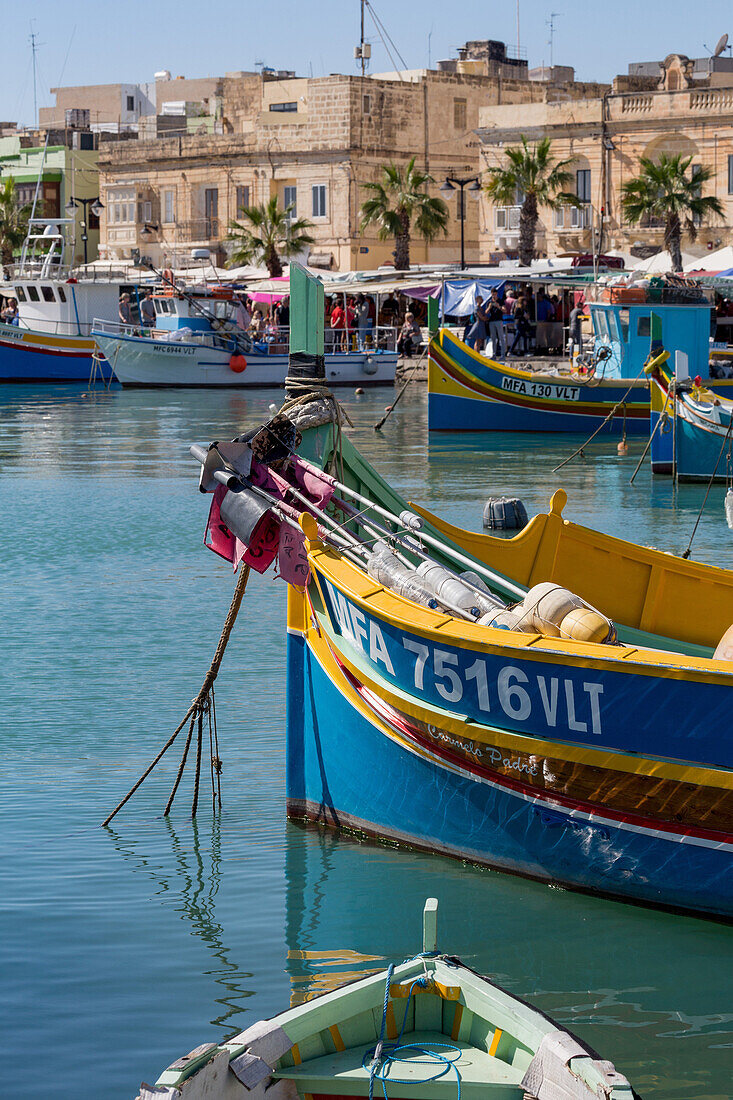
707, 491
602, 425
379, 1060
196, 710
663, 418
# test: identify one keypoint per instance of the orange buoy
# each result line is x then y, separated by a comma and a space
623, 447
237, 363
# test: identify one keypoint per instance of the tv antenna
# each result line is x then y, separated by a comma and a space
551, 41
33, 37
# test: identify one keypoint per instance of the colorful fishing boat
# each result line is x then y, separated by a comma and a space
470, 392
429, 1026
485, 733
50, 339
691, 426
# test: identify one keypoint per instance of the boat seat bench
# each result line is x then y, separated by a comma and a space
343, 1074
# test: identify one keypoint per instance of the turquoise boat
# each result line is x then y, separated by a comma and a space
428, 1027
691, 426
469, 392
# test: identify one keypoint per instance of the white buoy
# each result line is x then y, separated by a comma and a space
729, 508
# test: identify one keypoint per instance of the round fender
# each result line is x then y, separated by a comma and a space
237, 363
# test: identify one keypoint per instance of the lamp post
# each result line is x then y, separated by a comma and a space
473, 185
97, 208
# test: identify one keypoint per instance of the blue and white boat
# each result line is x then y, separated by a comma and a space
196, 343
50, 339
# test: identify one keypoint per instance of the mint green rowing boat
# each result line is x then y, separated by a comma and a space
427, 1029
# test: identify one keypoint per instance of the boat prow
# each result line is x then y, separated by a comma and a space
428, 1027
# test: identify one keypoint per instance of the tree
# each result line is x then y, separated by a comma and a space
534, 178
266, 234
396, 201
664, 190
13, 221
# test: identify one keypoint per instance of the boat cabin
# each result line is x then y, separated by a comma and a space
626, 329
196, 310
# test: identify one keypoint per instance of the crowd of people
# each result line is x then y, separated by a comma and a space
518, 322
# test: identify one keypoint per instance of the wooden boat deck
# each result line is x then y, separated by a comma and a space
343, 1073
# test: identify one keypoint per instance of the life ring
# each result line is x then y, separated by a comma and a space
168, 277
237, 363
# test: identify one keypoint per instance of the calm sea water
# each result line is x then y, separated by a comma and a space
122, 949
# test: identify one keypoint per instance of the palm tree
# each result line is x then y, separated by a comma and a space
265, 234
13, 221
664, 190
399, 198
534, 176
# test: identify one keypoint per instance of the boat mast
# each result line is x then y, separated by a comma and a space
361, 43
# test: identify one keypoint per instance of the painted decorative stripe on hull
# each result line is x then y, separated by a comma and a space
343, 770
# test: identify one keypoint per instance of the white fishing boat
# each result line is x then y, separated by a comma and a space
196, 342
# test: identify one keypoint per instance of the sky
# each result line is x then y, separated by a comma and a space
98, 42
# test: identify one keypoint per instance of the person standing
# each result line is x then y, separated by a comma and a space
362, 320
338, 326
545, 314
496, 326
478, 331
124, 310
521, 324
575, 333
147, 311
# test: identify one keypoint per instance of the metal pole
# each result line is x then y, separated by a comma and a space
463, 230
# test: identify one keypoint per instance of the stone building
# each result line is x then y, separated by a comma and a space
678, 105
313, 142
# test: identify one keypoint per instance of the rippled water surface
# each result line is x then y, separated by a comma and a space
122, 949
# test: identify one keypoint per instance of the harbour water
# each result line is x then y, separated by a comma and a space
122, 949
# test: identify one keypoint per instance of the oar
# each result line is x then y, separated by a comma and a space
378, 425
444, 548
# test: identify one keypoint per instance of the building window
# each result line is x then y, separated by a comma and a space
730, 175
500, 217
290, 198
121, 206
242, 199
366, 104
560, 217
211, 211
131, 103
459, 114
169, 206
319, 200
284, 107
582, 184
144, 212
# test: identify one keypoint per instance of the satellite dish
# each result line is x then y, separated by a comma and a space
722, 43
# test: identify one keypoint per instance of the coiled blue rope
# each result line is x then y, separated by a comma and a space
381, 1058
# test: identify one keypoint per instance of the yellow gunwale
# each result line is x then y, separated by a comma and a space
438, 627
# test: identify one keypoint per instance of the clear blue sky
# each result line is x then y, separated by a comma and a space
98, 42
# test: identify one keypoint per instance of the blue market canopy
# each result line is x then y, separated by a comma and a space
459, 295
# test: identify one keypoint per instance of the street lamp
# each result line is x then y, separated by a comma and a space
473, 185
96, 208
148, 229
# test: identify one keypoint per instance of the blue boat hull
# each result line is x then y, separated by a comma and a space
343, 771
46, 359
450, 414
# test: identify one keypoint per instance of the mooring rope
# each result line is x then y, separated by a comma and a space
196, 711
610, 417
726, 439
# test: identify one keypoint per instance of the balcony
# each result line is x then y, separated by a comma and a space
573, 217
196, 231
506, 218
